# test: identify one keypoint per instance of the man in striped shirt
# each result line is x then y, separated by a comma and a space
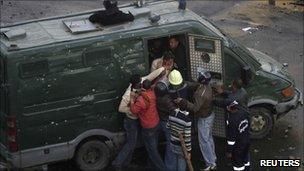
180, 123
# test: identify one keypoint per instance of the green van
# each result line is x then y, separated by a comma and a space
62, 79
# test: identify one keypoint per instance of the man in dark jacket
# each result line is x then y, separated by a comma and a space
238, 93
111, 15
202, 107
238, 125
165, 106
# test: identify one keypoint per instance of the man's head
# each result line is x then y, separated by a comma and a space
161, 89
135, 82
146, 85
110, 4
173, 42
175, 78
236, 84
204, 76
168, 56
157, 44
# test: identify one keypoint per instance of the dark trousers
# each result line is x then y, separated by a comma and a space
241, 157
150, 137
124, 157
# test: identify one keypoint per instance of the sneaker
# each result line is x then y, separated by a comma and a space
209, 168
213, 167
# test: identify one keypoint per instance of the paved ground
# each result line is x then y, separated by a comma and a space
279, 34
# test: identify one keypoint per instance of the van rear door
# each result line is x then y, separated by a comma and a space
207, 53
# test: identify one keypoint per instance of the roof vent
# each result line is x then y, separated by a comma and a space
81, 25
141, 12
15, 34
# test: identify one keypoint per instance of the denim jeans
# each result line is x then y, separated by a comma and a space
205, 138
150, 137
169, 155
179, 162
124, 157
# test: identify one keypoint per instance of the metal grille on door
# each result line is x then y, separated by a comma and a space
214, 65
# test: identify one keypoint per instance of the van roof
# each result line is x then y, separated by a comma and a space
53, 30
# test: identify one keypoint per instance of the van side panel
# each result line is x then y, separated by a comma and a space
80, 89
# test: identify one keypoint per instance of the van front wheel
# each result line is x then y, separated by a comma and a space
261, 122
92, 155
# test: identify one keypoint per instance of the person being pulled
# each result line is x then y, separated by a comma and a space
238, 141
111, 15
143, 105
165, 61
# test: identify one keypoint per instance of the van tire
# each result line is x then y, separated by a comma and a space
92, 155
261, 122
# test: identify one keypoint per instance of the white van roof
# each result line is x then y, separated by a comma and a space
54, 30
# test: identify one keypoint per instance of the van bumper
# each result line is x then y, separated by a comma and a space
284, 107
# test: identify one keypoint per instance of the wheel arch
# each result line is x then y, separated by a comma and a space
265, 103
94, 134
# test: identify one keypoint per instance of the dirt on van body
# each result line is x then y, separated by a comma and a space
274, 30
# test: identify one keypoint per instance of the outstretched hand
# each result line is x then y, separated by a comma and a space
219, 88
178, 100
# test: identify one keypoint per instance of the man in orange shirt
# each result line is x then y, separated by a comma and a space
144, 107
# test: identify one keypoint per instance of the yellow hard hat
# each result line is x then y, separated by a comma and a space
175, 77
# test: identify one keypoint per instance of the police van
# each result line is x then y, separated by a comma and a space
62, 79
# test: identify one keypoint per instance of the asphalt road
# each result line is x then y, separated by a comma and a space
279, 34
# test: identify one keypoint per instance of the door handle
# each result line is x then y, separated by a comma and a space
88, 99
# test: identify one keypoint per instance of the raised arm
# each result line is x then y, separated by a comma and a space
153, 74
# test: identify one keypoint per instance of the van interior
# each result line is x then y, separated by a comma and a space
158, 46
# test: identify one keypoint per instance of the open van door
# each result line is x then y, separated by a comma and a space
207, 53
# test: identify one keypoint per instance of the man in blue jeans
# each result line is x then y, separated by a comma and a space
131, 123
144, 107
202, 107
165, 107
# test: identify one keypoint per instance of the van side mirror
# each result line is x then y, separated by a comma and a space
246, 75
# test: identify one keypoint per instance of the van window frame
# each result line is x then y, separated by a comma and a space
237, 58
96, 49
146, 48
22, 72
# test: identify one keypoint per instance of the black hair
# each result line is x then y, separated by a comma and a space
135, 79
146, 84
174, 37
109, 4
237, 83
160, 89
168, 55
